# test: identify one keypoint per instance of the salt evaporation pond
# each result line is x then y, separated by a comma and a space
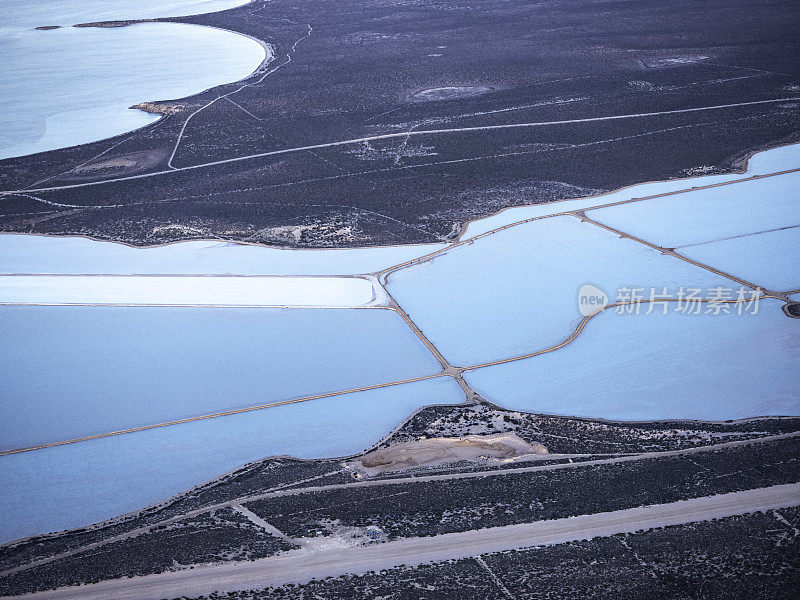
516, 291
769, 161
77, 255
69, 86
648, 366
770, 259
186, 290
711, 214
82, 370
75, 485
660, 366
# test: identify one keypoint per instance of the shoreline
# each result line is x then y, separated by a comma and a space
743, 170
266, 58
383, 441
162, 107
234, 208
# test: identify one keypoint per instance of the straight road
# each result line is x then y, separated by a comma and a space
402, 134
293, 491
302, 565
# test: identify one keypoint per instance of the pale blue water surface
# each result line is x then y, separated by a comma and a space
69, 486
22, 253
660, 366
71, 371
70, 86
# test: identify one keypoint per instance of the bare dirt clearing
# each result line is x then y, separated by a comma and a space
492, 449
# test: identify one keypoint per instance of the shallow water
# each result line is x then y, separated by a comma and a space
769, 259
27, 14
82, 370
185, 290
69, 486
48, 254
516, 291
70, 86
652, 366
769, 161
660, 366
711, 214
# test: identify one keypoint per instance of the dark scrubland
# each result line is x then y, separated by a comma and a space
260, 476
201, 524
350, 69
219, 535
413, 509
748, 556
573, 435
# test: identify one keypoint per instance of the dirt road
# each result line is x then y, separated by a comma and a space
301, 565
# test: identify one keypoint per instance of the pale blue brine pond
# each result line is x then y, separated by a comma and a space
70, 486
70, 86
656, 366
81, 370
56, 255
